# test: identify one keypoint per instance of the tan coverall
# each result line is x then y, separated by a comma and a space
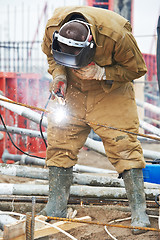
96, 101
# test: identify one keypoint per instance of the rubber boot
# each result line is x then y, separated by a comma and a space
134, 185
60, 180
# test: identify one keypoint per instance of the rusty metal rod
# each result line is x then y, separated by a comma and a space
72, 200
103, 224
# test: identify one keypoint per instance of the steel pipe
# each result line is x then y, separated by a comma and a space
35, 117
98, 146
151, 154
95, 145
154, 97
83, 168
23, 171
23, 111
78, 190
40, 173
22, 159
23, 189
23, 131
152, 121
149, 127
81, 179
148, 106
107, 192
34, 133
92, 144
104, 181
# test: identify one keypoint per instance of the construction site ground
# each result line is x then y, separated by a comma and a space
98, 213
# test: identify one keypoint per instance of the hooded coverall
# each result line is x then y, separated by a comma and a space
97, 102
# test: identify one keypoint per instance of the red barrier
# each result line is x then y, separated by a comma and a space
151, 64
29, 89
101, 3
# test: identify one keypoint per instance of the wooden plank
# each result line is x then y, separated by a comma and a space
63, 225
17, 229
13, 230
41, 229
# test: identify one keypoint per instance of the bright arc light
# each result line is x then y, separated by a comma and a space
61, 115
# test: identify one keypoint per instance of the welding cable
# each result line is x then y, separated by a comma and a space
40, 123
38, 220
40, 128
115, 128
30, 155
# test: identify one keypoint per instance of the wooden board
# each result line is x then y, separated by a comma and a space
17, 230
13, 230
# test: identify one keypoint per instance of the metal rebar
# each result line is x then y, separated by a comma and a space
28, 226
33, 217
103, 224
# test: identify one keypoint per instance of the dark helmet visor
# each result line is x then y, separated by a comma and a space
82, 59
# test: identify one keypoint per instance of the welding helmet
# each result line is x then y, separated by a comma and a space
86, 49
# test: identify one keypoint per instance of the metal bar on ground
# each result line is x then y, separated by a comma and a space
23, 159
77, 190
78, 178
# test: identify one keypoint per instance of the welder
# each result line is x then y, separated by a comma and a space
93, 59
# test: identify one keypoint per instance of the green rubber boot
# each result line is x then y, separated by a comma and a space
60, 180
134, 185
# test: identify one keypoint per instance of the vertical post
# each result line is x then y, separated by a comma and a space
22, 42
158, 52
33, 215
18, 58
15, 22
30, 222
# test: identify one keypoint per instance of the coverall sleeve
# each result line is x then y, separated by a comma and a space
128, 61
54, 68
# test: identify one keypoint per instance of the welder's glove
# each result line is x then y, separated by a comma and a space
90, 72
59, 84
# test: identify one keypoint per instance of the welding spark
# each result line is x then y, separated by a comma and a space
59, 115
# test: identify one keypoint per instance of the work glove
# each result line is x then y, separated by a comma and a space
90, 72
59, 85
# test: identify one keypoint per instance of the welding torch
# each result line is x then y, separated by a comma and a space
59, 96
